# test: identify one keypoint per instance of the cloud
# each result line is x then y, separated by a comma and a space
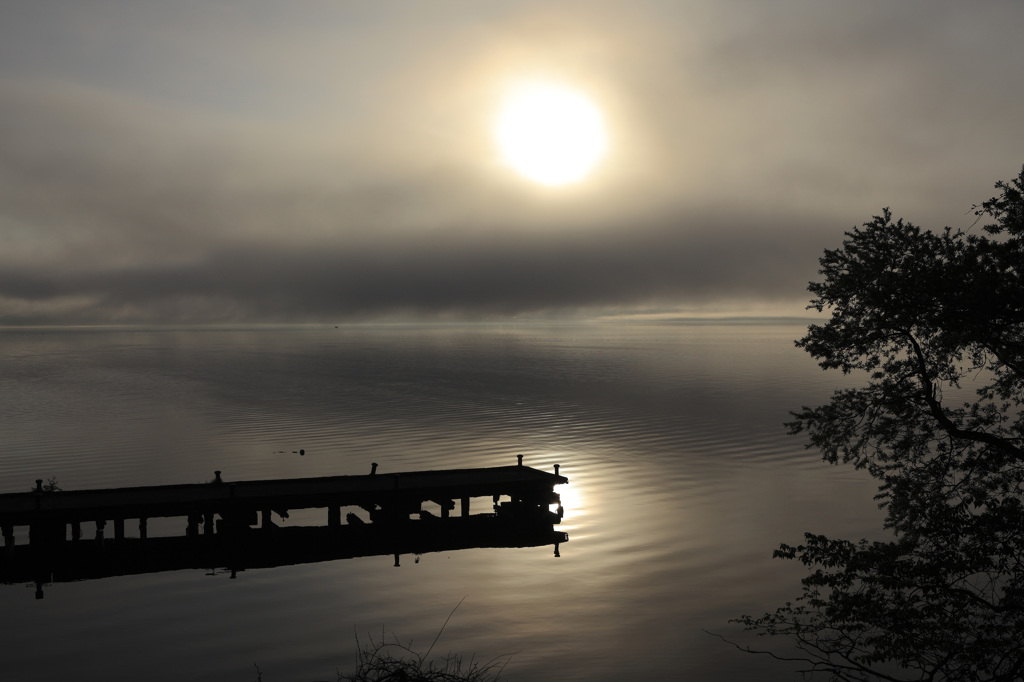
231, 163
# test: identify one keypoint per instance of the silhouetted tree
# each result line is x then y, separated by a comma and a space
923, 316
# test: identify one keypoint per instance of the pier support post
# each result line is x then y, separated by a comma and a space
465, 507
76, 531
193, 526
208, 524
267, 521
8, 536
334, 516
143, 527
444, 508
119, 529
100, 525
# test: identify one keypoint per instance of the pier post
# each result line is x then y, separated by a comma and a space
465, 507
143, 527
444, 508
76, 531
8, 536
556, 470
520, 458
193, 526
100, 525
119, 529
208, 523
334, 516
267, 521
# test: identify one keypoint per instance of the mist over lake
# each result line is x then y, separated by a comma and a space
682, 480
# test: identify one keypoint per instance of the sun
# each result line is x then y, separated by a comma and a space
550, 134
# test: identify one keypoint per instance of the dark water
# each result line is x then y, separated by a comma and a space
682, 481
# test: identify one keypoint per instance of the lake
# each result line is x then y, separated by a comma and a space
682, 480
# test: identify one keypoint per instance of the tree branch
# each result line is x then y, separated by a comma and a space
935, 409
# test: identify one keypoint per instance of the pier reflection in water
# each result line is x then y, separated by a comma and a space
269, 548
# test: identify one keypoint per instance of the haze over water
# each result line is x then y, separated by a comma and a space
682, 482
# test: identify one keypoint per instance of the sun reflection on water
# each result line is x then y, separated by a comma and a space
572, 501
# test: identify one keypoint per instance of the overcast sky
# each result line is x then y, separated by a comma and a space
321, 161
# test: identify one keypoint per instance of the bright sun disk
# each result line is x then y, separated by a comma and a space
550, 134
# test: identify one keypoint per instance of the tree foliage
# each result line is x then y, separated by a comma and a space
935, 324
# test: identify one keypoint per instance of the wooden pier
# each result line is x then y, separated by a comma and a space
234, 508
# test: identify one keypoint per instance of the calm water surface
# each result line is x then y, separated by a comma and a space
682, 482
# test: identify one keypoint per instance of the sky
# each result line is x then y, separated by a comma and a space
326, 161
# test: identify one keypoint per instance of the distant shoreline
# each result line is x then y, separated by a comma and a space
525, 322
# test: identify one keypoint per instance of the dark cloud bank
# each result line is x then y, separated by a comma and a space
453, 274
